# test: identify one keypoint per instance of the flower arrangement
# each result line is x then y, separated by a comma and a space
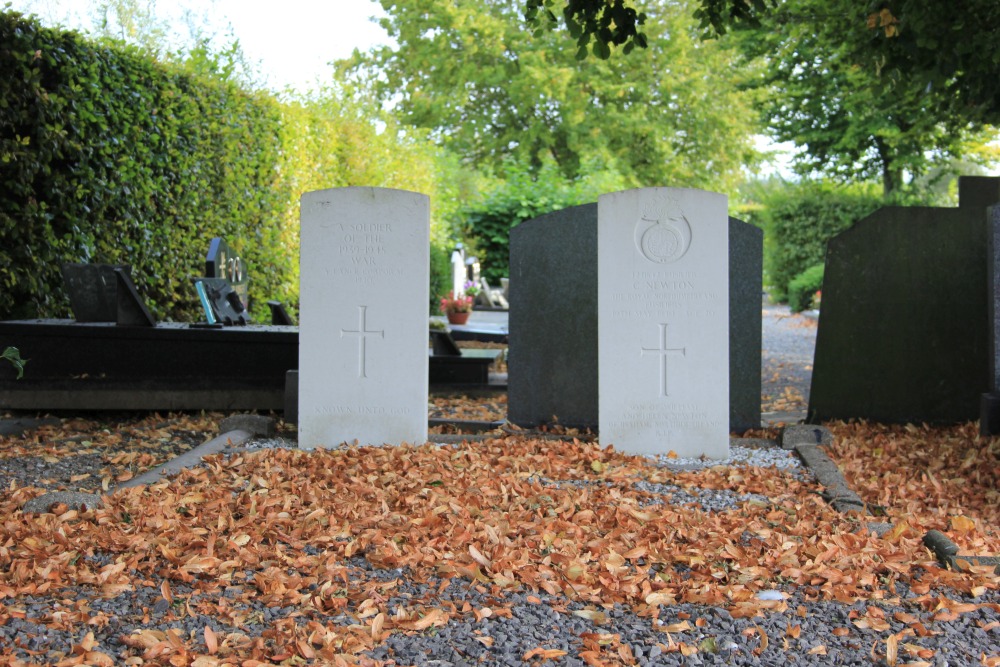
461, 302
456, 303
471, 289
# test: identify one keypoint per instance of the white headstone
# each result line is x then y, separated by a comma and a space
663, 322
364, 281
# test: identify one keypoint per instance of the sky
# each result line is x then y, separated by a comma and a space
291, 42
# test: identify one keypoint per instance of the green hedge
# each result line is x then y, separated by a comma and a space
522, 195
803, 287
107, 156
799, 218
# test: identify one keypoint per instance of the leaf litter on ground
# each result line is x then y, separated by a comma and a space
286, 528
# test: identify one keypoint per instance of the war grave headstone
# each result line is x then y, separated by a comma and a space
663, 321
364, 274
904, 328
553, 321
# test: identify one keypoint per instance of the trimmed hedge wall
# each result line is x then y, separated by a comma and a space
109, 156
798, 220
106, 156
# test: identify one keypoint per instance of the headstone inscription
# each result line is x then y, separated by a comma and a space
364, 272
553, 321
663, 322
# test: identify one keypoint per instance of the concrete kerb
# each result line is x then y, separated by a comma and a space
20, 425
79, 500
189, 459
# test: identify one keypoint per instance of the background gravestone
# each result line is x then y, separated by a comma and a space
363, 360
903, 331
552, 358
92, 291
989, 409
553, 321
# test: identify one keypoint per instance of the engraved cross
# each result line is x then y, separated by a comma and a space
662, 352
362, 333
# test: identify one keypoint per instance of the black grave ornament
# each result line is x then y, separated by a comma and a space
279, 316
224, 304
222, 262
131, 309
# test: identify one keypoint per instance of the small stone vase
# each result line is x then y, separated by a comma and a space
458, 318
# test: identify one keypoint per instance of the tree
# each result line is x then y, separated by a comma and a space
849, 122
951, 47
670, 114
941, 43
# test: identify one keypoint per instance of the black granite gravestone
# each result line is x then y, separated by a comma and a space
92, 290
989, 405
552, 364
903, 332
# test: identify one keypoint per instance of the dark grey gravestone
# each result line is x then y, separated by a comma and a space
92, 291
903, 332
989, 405
746, 270
552, 360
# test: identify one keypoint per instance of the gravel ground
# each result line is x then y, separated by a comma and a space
487, 626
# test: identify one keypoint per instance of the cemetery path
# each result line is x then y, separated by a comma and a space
788, 344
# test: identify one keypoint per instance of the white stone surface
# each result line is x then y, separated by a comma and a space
364, 276
663, 322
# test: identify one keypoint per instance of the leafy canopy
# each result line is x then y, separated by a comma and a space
946, 45
495, 95
826, 94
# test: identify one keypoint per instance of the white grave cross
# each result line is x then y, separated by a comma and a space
362, 333
662, 352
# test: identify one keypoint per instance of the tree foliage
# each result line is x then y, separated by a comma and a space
496, 95
597, 24
825, 95
949, 46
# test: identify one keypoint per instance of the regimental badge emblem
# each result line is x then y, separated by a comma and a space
662, 233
